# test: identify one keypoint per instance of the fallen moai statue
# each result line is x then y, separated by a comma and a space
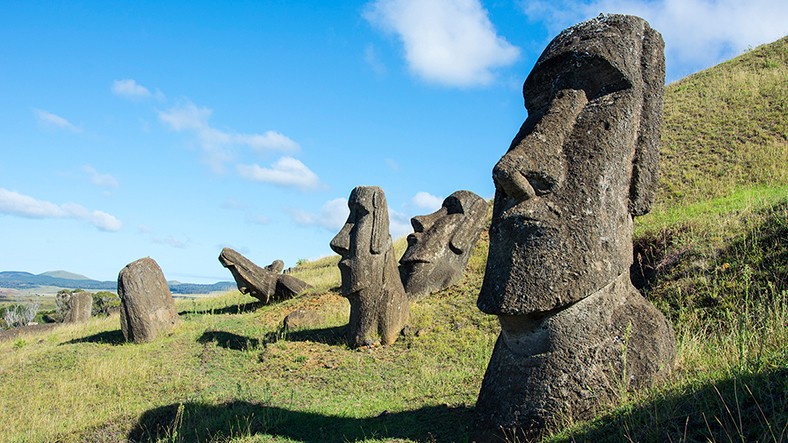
441, 244
379, 307
261, 283
147, 309
574, 331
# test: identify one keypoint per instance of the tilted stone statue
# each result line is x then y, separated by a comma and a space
261, 283
574, 330
78, 306
379, 307
147, 309
441, 244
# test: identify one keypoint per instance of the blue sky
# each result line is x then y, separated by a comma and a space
173, 129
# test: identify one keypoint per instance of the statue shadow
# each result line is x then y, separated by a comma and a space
232, 309
113, 338
328, 336
229, 340
201, 422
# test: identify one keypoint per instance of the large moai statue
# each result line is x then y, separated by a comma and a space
147, 309
265, 284
379, 307
441, 244
574, 331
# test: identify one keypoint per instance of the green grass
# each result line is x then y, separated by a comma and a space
712, 256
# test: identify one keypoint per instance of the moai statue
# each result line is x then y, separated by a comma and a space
379, 307
574, 331
264, 284
77, 306
441, 244
147, 309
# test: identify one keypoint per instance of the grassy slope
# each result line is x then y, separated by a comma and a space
712, 256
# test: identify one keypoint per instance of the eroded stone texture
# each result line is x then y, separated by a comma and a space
276, 266
260, 283
441, 244
379, 307
146, 305
583, 163
79, 307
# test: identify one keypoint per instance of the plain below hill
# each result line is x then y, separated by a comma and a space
68, 280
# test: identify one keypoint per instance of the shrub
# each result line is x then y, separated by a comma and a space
20, 315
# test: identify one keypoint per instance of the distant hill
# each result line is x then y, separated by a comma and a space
68, 280
64, 275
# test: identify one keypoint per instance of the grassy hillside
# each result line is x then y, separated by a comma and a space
713, 256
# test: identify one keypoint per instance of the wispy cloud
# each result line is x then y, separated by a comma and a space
99, 179
217, 145
332, 215
399, 224
16, 204
373, 60
697, 33
450, 42
425, 200
53, 121
167, 240
129, 88
287, 171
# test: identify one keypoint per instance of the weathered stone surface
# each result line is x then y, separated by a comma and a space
258, 282
147, 309
379, 307
584, 162
441, 244
276, 266
303, 318
79, 307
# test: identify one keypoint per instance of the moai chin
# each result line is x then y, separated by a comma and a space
379, 307
441, 244
584, 162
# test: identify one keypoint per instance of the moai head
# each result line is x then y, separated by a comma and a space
378, 305
583, 163
363, 241
441, 243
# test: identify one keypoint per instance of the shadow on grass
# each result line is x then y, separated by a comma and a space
751, 408
201, 422
329, 336
232, 309
229, 340
107, 337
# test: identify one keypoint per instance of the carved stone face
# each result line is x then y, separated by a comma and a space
362, 240
439, 248
581, 165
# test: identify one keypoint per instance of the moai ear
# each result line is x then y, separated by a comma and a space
463, 236
380, 222
645, 164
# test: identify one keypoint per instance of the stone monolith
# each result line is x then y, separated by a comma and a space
379, 307
147, 309
574, 331
261, 283
78, 306
441, 243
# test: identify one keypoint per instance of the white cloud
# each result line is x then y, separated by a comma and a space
217, 145
14, 203
332, 215
50, 120
373, 60
399, 224
451, 42
698, 33
286, 171
129, 88
170, 240
99, 179
425, 200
